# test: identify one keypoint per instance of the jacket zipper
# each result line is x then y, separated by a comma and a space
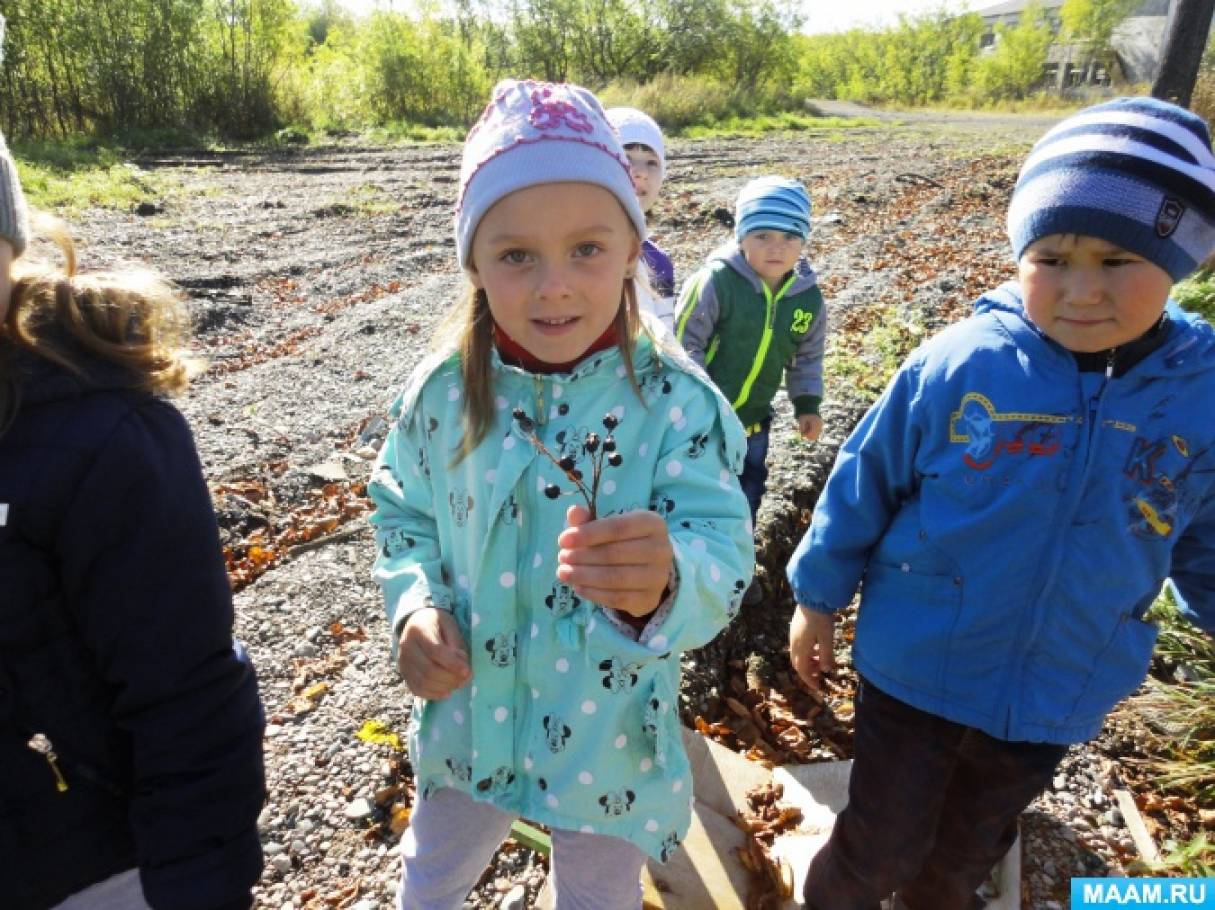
41, 744
1096, 399
1094, 406
538, 394
764, 342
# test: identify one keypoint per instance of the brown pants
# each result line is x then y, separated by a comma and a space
932, 807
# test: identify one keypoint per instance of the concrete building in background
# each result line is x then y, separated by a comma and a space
1138, 44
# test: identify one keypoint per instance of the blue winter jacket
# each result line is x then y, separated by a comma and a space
567, 720
116, 648
1010, 519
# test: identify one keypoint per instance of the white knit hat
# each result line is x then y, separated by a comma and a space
533, 133
638, 127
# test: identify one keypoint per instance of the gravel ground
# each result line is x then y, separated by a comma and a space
317, 277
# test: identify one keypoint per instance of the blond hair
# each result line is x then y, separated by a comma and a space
468, 330
132, 319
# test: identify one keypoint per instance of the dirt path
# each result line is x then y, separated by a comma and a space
317, 278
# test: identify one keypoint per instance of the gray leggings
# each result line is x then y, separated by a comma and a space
452, 837
118, 892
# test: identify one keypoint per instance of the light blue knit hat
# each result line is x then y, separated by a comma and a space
776, 203
1136, 172
533, 133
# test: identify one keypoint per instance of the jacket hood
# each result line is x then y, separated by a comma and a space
43, 381
731, 254
1189, 347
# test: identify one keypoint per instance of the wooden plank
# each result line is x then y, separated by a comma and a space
704, 872
1134, 824
720, 776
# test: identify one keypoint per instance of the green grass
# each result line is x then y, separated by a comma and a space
1181, 711
737, 127
1193, 859
370, 199
1197, 294
414, 132
68, 178
860, 363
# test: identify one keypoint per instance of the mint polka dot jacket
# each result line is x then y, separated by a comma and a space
567, 721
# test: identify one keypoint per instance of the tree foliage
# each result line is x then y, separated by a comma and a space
1093, 22
1014, 69
244, 68
924, 59
106, 66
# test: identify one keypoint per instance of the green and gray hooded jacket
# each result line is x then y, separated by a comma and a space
745, 335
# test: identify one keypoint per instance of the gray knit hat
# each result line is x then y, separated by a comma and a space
1136, 172
533, 133
14, 219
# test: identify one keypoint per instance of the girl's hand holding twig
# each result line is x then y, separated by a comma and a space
431, 655
622, 562
812, 645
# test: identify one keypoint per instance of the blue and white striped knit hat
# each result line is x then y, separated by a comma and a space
775, 203
1136, 172
539, 132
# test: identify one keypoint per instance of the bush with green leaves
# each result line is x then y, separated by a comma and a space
1197, 294
923, 60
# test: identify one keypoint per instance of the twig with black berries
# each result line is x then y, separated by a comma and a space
600, 450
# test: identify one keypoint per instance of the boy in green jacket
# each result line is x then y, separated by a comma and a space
753, 312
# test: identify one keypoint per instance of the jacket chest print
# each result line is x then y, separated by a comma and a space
510, 510
460, 770
497, 783
461, 504
988, 434
619, 676
1157, 469
617, 802
556, 733
395, 541
562, 600
653, 384
663, 505
502, 649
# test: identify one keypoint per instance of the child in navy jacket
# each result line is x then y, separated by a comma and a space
1011, 506
130, 725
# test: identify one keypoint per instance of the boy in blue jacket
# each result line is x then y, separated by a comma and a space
1011, 506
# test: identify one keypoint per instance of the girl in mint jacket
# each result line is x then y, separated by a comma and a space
541, 639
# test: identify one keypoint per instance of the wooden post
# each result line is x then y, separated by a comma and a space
1187, 38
